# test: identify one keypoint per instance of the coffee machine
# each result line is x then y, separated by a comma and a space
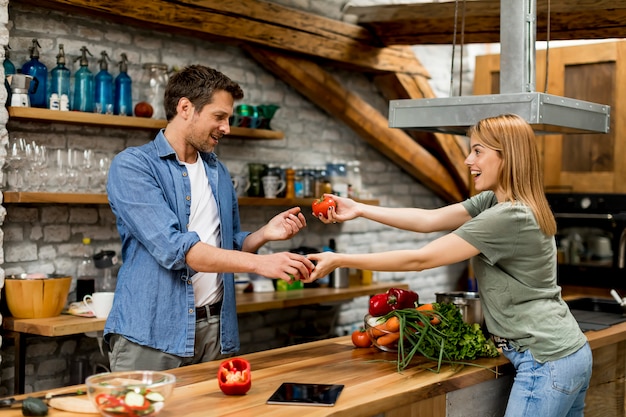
20, 86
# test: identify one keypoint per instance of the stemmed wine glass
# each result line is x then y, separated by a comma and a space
16, 161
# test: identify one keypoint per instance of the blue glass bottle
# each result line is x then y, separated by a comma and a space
60, 82
38, 93
103, 101
123, 90
83, 84
9, 69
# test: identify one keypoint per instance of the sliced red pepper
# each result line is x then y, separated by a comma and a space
234, 376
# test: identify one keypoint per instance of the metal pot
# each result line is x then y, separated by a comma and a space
467, 302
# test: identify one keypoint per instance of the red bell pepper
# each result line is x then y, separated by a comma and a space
404, 298
393, 299
234, 377
379, 305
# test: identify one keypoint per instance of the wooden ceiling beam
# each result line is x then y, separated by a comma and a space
259, 23
433, 23
323, 89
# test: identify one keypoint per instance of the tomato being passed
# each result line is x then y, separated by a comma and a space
322, 204
361, 339
234, 376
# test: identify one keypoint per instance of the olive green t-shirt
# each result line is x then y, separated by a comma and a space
516, 275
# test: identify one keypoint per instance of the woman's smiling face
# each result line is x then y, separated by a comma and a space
484, 165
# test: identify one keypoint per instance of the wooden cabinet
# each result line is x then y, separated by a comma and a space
593, 72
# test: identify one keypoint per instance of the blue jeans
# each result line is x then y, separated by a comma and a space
551, 389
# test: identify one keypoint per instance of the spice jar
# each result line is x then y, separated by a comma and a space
154, 81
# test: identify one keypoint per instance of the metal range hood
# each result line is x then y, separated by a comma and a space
548, 114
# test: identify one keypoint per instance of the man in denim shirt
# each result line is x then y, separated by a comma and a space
178, 219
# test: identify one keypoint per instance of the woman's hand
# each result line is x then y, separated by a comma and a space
325, 263
346, 209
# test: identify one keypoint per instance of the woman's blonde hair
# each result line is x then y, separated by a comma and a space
521, 174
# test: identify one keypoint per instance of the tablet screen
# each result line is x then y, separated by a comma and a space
306, 394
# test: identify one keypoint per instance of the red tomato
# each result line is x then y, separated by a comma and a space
361, 339
321, 205
143, 109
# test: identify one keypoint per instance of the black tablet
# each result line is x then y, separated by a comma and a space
292, 393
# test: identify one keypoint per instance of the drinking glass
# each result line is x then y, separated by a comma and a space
16, 161
57, 177
38, 177
86, 171
72, 170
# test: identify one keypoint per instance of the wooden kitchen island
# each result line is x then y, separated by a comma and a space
373, 387
65, 325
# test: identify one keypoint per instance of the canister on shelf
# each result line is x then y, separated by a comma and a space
290, 175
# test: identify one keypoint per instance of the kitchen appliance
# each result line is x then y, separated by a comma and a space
21, 85
591, 238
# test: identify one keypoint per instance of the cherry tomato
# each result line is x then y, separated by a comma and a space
321, 205
361, 339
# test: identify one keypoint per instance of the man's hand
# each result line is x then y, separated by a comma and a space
284, 265
285, 225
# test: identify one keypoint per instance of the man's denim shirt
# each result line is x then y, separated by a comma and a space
150, 194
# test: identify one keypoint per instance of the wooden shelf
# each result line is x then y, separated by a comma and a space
60, 198
76, 117
92, 198
302, 202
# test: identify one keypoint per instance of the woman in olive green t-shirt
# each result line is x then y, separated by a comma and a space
507, 230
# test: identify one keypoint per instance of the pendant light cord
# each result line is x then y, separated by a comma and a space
545, 87
456, 18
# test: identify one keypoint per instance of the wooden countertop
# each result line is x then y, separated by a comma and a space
372, 384
65, 324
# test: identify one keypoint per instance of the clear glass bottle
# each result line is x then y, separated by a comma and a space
86, 272
154, 81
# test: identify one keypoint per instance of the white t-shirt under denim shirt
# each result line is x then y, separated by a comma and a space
205, 221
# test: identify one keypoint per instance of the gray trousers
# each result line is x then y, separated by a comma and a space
129, 356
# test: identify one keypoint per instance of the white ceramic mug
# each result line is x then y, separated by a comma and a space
272, 186
99, 303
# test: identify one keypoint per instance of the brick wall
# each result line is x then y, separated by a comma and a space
47, 238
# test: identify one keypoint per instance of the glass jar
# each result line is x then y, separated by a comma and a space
355, 183
154, 81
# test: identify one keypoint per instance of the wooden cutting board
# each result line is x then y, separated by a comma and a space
80, 405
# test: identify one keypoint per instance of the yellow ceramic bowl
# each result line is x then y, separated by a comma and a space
33, 296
